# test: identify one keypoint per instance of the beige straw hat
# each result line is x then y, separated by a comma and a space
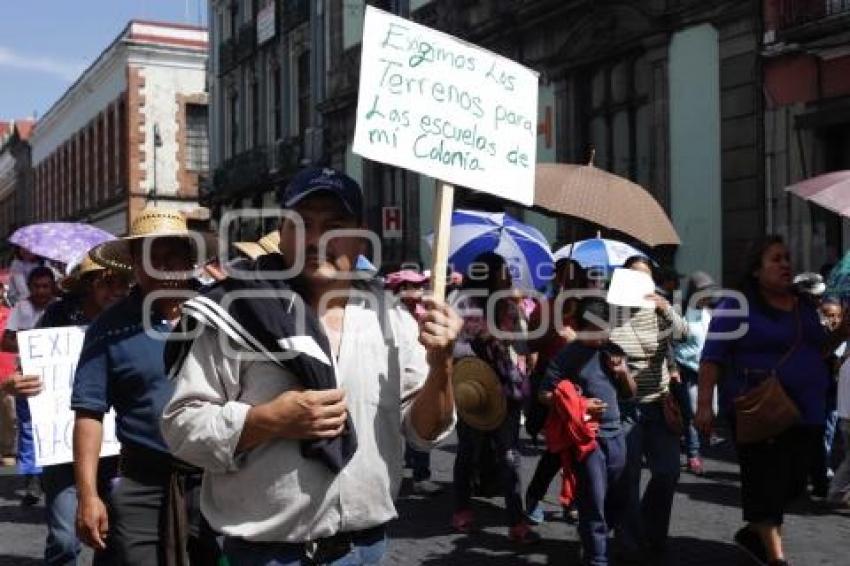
268, 244
87, 265
479, 398
153, 223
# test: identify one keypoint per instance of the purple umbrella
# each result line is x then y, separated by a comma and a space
65, 242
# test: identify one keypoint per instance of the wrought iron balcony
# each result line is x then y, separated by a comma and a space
242, 173
295, 13
797, 13
247, 40
226, 55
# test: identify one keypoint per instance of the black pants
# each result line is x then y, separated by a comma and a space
504, 441
818, 467
774, 472
137, 510
547, 468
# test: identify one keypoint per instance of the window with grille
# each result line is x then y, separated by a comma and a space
303, 91
197, 138
234, 124
234, 19
277, 103
255, 114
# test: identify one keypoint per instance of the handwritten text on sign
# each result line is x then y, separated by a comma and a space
52, 354
433, 104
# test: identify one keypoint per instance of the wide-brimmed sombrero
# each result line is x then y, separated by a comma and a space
268, 244
86, 265
154, 222
479, 398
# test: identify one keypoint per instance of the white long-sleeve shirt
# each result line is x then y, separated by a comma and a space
271, 493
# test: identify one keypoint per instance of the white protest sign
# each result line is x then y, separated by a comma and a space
629, 288
52, 354
436, 105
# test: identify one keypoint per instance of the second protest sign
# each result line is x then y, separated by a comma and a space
52, 354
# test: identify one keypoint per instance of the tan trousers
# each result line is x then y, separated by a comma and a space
8, 426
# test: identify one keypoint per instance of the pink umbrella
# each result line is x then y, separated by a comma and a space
831, 191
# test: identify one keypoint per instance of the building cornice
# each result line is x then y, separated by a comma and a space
167, 55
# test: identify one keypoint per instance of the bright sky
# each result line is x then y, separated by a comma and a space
45, 44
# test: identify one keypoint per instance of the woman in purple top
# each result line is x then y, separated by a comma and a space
773, 329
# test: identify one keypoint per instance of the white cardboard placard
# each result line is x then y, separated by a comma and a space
629, 288
434, 104
52, 354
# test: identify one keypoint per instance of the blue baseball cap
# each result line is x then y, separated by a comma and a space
324, 179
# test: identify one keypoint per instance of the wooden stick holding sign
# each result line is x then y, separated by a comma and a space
431, 103
443, 205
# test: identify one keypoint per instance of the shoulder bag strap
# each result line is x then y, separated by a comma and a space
797, 341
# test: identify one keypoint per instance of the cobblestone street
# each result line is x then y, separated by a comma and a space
705, 516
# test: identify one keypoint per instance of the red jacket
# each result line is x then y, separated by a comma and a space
8, 360
569, 433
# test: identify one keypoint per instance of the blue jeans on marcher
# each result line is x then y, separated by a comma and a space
830, 429
646, 521
60, 497
243, 553
686, 396
600, 497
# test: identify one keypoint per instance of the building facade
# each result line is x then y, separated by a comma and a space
806, 61
664, 92
131, 130
15, 179
264, 80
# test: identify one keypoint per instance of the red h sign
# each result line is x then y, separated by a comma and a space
392, 224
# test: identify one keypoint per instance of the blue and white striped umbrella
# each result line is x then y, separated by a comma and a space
363, 264
598, 252
524, 247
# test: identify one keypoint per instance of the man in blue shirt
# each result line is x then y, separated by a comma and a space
598, 369
90, 289
121, 367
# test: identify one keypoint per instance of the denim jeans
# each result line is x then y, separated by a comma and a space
60, 495
840, 486
686, 396
600, 497
242, 553
646, 521
830, 432
505, 440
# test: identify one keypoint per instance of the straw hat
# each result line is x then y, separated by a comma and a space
151, 223
479, 398
268, 244
86, 265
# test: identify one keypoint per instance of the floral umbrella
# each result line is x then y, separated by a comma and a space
65, 242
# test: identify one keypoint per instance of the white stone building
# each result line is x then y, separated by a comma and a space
130, 130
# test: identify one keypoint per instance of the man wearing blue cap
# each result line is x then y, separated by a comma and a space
300, 426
